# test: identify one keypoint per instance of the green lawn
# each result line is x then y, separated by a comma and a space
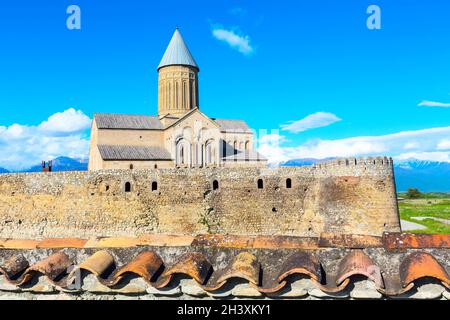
429, 205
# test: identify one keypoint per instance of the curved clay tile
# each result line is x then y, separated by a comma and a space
98, 263
14, 266
52, 267
422, 264
271, 289
358, 263
301, 263
194, 265
331, 288
245, 266
146, 265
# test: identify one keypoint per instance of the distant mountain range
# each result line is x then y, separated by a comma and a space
426, 176
59, 164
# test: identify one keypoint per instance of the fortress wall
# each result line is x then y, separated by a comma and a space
345, 196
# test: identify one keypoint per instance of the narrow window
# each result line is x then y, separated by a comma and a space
131, 167
215, 185
260, 184
176, 94
224, 149
127, 187
154, 186
182, 155
288, 183
156, 166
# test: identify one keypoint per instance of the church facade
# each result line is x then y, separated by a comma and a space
180, 135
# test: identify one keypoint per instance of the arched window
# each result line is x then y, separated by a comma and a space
127, 187
235, 146
247, 145
154, 186
260, 184
131, 167
215, 185
288, 183
182, 155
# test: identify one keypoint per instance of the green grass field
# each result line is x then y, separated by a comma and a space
429, 205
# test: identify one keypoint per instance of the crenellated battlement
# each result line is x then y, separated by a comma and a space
379, 162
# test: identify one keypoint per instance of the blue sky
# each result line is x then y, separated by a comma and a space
311, 71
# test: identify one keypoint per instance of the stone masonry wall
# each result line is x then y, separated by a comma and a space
346, 196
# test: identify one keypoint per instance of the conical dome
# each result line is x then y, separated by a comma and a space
177, 53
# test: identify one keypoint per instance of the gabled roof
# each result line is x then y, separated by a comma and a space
177, 53
238, 126
124, 152
126, 121
188, 114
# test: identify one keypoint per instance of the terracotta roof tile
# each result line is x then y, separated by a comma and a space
418, 265
246, 266
193, 264
146, 265
358, 263
98, 263
301, 263
14, 266
220, 269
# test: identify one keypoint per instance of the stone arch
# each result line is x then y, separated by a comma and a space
183, 152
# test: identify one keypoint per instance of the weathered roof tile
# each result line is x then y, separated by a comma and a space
123, 152
127, 122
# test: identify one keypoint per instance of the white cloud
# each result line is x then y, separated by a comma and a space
62, 134
389, 145
427, 103
315, 120
269, 146
234, 40
444, 144
70, 120
411, 145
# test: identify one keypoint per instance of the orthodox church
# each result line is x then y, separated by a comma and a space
180, 135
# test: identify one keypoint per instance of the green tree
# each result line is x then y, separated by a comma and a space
413, 193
